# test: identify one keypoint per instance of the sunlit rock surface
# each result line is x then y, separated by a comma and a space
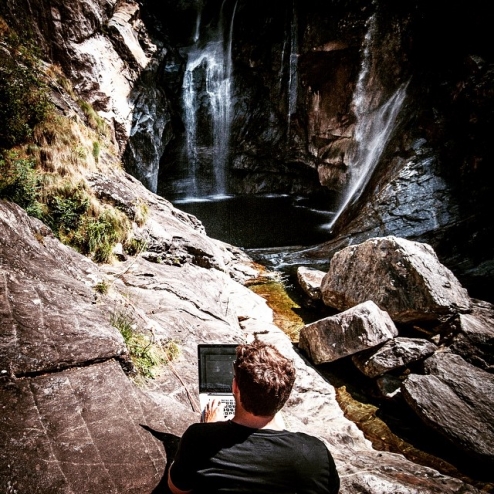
402, 277
359, 328
79, 424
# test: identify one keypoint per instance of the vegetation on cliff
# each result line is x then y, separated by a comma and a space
49, 141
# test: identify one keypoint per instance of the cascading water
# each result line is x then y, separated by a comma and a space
375, 124
290, 45
207, 104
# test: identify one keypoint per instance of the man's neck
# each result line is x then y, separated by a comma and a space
257, 422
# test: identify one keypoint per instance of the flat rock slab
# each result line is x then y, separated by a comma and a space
402, 277
81, 430
456, 399
359, 328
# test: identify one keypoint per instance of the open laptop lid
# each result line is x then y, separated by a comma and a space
216, 367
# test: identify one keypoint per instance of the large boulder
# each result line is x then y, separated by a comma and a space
394, 354
362, 327
474, 339
402, 277
456, 399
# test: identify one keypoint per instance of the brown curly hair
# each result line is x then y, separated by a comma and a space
264, 377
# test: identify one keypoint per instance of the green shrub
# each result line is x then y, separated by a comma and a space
96, 151
100, 235
67, 207
146, 356
20, 183
24, 100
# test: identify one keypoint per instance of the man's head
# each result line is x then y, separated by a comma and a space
264, 377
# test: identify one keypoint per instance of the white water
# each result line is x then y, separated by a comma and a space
375, 124
293, 66
209, 62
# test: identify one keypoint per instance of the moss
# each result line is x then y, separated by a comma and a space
283, 306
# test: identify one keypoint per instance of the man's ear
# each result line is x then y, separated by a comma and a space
234, 386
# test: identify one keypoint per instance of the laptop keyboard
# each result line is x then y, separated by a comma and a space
229, 406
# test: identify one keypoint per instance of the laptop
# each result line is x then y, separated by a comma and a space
215, 362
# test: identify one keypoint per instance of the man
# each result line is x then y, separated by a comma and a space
252, 453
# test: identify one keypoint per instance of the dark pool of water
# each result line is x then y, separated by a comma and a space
255, 221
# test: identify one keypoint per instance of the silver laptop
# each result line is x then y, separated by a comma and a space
215, 362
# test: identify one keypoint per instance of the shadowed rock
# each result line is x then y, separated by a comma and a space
402, 277
475, 338
362, 327
456, 399
394, 354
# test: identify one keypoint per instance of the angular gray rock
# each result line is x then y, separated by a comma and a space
402, 277
359, 328
456, 399
310, 281
474, 340
394, 354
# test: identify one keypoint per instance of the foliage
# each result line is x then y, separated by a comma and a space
141, 212
99, 235
20, 183
135, 246
67, 207
102, 287
24, 100
146, 356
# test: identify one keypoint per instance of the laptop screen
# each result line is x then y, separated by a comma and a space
216, 367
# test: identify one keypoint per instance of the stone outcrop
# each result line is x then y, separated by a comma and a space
359, 328
456, 399
394, 354
402, 277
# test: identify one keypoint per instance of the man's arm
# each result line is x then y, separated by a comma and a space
171, 485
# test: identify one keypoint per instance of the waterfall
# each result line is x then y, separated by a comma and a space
293, 66
375, 123
206, 97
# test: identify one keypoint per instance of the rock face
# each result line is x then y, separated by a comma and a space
456, 399
402, 277
50, 319
362, 327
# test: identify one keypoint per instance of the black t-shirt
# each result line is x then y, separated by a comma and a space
228, 457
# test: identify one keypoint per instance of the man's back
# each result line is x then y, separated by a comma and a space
228, 457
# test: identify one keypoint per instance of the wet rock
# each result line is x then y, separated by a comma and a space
402, 277
362, 327
456, 399
394, 354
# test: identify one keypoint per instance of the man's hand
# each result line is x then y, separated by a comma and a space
213, 411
